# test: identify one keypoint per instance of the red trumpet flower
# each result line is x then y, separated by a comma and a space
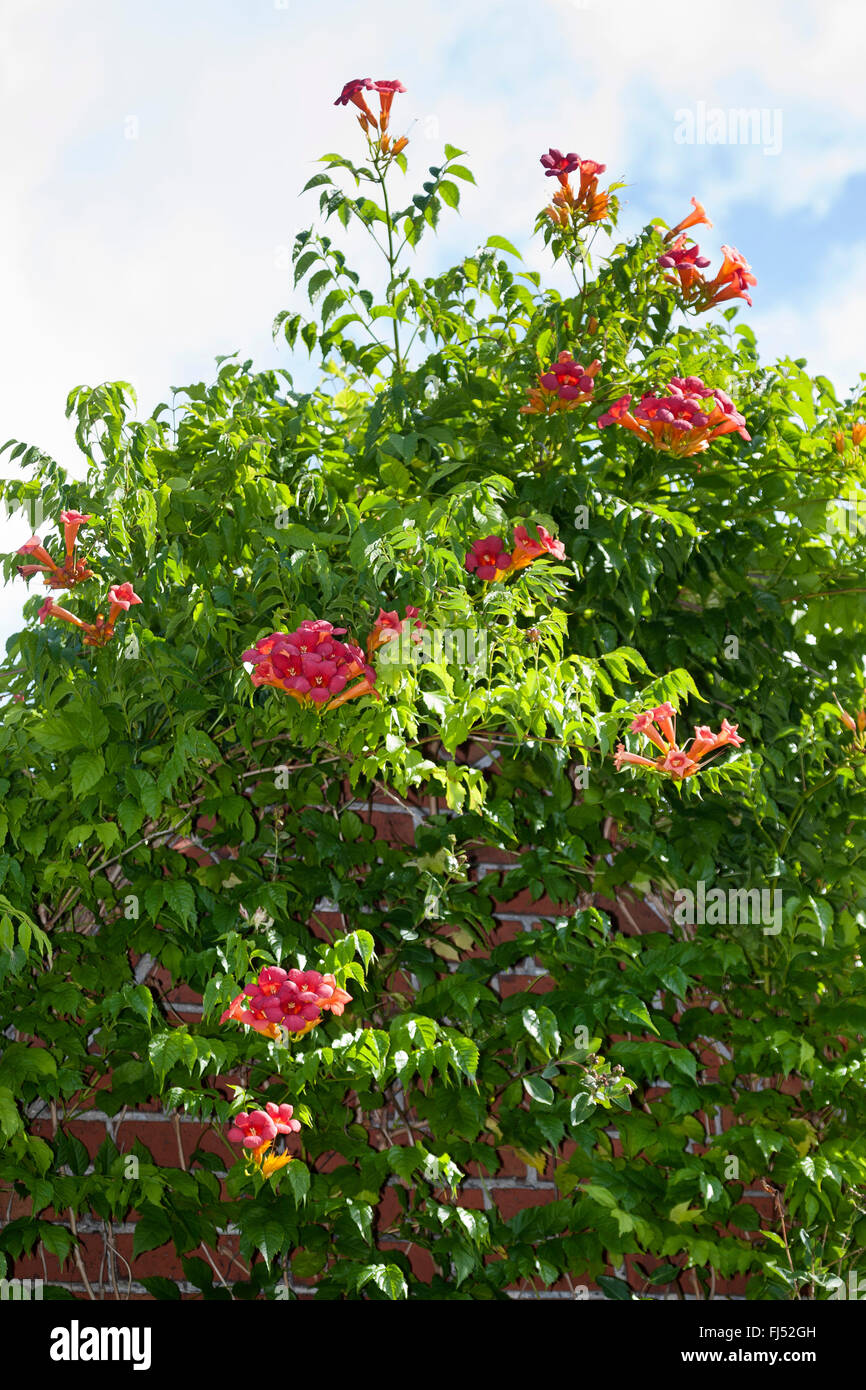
290, 999
387, 91
488, 558
312, 666
354, 91
678, 423
732, 281
585, 206
694, 219
72, 571
565, 386
526, 550
659, 726
389, 625
99, 633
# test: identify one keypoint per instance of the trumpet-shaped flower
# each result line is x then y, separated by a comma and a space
678, 423
72, 523
732, 280
564, 386
687, 262
695, 218
354, 91
526, 549
259, 1021
557, 165
55, 576
490, 562
290, 999
312, 665
282, 1118
659, 727
857, 725
35, 547
488, 558
253, 1129
570, 208
589, 172
95, 634
121, 597
386, 91
390, 625
338, 998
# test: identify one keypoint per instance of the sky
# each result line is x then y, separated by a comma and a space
152, 157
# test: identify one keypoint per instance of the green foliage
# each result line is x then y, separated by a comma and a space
656, 1058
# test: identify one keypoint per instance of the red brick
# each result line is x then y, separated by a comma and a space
511, 1200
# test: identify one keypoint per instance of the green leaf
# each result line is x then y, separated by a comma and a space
388, 1278
450, 193
162, 1289
538, 1090
57, 1239
499, 243
180, 897
297, 1175
152, 1229
10, 1120
614, 1288
87, 769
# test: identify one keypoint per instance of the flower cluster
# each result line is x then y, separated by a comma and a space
120, 596
290, 999
390, 625
311, 665
684, 266
679, 423
55, 576
566, 385
840, 439
857, 725
489, 559
586, 205
354, 91
257, 1131
70, 573
659, 726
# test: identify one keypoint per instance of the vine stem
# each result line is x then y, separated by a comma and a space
392, 259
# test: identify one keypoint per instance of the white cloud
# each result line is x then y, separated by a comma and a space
142, 258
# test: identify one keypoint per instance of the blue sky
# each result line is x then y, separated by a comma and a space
153, 154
